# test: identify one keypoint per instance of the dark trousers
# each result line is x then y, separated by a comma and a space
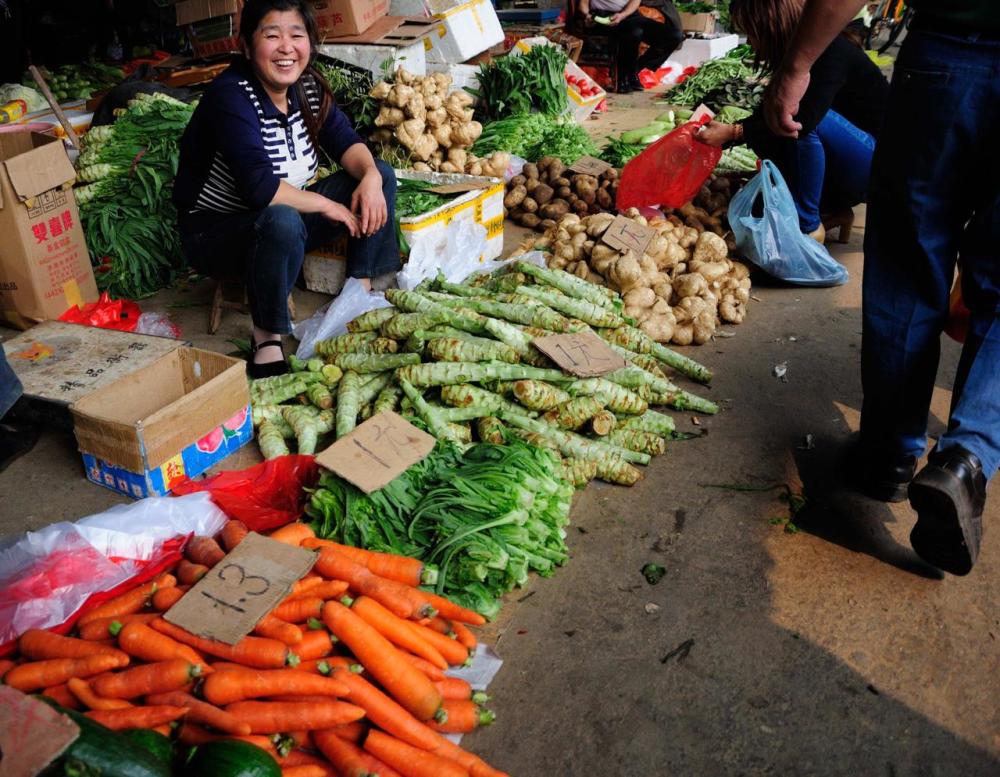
10, 386
267, 247
663, 38
934, 199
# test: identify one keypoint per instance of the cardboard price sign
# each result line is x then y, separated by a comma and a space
589, 165
627, 235
241, 589
581, 353
377, 451
32, 734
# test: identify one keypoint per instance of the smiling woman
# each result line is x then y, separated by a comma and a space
247, 204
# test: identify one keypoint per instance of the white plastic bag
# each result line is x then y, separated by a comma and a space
454, 250
331, 319
47, 575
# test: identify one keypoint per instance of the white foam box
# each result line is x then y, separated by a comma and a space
462, 76
581, 107
463, 28
694, 51
404, 42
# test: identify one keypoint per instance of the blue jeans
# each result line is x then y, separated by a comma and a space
267, 247
934, 198
10, 386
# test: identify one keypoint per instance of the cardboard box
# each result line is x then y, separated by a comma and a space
400, 39
212, 26
177, 416
702, 23
44, 264
463, 28
581, 107
336, 18
694, 51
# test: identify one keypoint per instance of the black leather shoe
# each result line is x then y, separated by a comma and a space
948, 496
624, 86
635, 84
265, 369
883, 478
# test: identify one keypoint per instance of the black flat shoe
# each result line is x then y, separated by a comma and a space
883, 478
265, 369
948, 496
16, 439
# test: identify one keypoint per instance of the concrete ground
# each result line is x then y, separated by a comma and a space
831, 650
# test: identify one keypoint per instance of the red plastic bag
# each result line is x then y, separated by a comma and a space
264, 496
670, 172
106, 313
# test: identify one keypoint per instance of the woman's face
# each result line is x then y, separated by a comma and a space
280, 50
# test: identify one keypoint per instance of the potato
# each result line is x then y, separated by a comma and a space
547, 224
554, 210
604, 201
529, 204
517, 180
556, 168
560, 181
530, 220
531, 184
530, 170
543, 193
515, 196
564, 193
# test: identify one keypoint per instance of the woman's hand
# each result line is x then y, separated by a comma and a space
619, 17
334, 211
368, 203
717, 134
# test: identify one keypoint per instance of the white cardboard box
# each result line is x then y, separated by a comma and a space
370, 56
694, 51
464, 27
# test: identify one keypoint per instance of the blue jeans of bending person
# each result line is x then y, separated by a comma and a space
10, 385
826, 169
934, 199
267, 247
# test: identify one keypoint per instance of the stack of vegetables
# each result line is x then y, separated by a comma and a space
728, 80
534, 135
433, 125
545, 192
677, 291
78, 82
128, 169
515, 85
282, 702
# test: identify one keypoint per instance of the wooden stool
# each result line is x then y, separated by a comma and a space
231, 293
843, 219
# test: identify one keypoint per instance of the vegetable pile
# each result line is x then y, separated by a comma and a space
545, 192
433, 125
351, 87
728, 80
281, 699
129, 220
534, 135
527, 83
677, 291
78, 82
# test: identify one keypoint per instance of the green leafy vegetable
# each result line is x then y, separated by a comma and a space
513, 85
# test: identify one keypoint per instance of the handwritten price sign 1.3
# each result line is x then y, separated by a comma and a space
377, 451
242, 588
583, 353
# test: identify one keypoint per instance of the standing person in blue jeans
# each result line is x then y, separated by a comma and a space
245, 204
934, 198
16, 438
827, 166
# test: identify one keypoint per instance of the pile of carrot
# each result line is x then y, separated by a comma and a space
343, 678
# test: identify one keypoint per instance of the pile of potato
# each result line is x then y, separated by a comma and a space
435, 126
547, 190
677, 291
709, 208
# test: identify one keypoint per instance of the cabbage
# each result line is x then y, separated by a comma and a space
33, 99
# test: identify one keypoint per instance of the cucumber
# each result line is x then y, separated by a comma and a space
152, 741
102, 752
231, 758
605, 20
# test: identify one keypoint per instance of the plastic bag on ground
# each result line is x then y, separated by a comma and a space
331, 319
264, 496
51, 576
670, 171
454, 251
765, 225
157, 324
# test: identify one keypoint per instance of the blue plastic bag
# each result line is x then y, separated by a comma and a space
773, 240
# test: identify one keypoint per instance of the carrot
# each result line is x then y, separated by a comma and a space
308, 770
352, 732
159, 677
464, 635
168, 597
448, 609
316, 643
440, 625
55, 671
250, 651
405, 682
272, 717
425, 666
129, 602
453, 651
402, 569
102, 628
201, 712
454, 688
205, 551
463, 716
344, 755
275, 628
297, 757
303, 738
402, 600
142, 641
192, 734
5, 664
39, 644
225, 687
319, 587
299, 610
189, 573
293, 533
396, 630
325, 666
301, 699
233, 533
84, 693
62, 696
409, 760
137, 717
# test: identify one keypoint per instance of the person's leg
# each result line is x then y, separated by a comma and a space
848, 151
16, 439
367, 257
629, 35
663, 39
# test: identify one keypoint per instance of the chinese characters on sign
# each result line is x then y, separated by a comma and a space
582, 353
627, 235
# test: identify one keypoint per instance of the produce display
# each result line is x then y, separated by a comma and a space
283, 698
547, 190
534, 135
78, 82
433, 125
532, 82
727, 80
128, 170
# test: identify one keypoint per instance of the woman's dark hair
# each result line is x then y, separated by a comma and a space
769, 26
253, 13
